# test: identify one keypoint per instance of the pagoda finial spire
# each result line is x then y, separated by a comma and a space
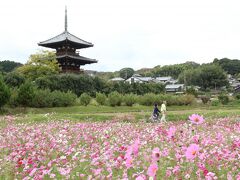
66, 18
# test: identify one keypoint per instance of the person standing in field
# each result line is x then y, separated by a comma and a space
156, 111
163, 111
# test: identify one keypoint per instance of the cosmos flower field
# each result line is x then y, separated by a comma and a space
197, 148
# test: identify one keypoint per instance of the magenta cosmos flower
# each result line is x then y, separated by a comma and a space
192, 151
196, 119
155, 154
152, 170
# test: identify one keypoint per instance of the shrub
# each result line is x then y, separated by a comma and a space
42, 98
14, 79
114, 99
4, 93
215, 102
224, 99
205, 99
237, 96
61, 99
13, 98
185, 99
46, 98
101, 98
85, 99
148, 99
26, 94
192, 91
130, 99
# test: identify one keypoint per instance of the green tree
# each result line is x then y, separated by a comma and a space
4, 93
40, 64
173, 70
230, 66
206, 76
212, 76
26, 94
126, 73
190, 77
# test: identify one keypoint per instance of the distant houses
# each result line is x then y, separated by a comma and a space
171, 84
234, 83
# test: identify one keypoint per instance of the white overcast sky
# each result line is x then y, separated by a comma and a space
125, 33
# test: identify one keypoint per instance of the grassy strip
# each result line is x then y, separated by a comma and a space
108, 109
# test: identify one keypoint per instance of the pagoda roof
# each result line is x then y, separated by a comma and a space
81, 60
65, 37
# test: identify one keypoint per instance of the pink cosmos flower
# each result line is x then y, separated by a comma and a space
141, 177
64, 171
152, 170
176, 170
136, 147
210, 176
155, 154
129, 161
192, 151
196, 119
32, 172
171, 132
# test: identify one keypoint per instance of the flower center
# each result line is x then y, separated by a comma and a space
194, 152
154, 169
196, 120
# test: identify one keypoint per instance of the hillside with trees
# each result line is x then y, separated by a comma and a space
8, 66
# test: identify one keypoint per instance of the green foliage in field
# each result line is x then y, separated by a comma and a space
63, 99
130, 99
149, 99
114, 99
205, 98
215, 102
101, 98
85, 99
26, 94
223, 98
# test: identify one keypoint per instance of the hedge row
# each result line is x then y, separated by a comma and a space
29, 96
116, 99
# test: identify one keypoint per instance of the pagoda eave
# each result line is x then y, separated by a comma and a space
78, 59
60, 44
63, 39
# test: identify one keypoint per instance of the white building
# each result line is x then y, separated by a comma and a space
117, 79
174, 88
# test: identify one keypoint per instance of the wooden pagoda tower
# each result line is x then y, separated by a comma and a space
66, 45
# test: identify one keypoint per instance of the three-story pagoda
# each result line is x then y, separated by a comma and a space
66, 45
